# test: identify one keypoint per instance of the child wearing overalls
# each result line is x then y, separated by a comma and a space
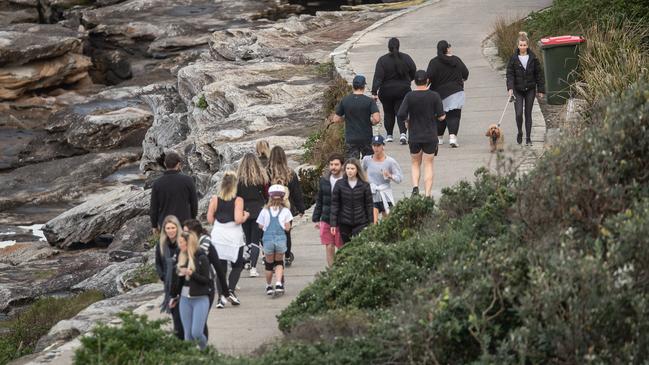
275, 221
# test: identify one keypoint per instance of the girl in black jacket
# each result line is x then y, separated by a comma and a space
166, 258
351, 202
193, 287
447, 74
279, 173
392, 77
524, 79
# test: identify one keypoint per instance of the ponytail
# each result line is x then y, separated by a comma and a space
401, 67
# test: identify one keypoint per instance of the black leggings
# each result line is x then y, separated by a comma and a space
235, 273
391, 98
347, 232
526, 97
253, 239
178, 324
452, 120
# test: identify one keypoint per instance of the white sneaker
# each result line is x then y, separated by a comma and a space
253, 272
389, 138
440, 140
403, 139
452, 141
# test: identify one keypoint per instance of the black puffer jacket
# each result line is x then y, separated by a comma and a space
349, 206
200, 281
295, 196
322, 210
447, 75
520, 78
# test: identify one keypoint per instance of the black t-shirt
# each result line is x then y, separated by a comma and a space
357, 110
422, 108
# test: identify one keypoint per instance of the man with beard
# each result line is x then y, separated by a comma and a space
323, 207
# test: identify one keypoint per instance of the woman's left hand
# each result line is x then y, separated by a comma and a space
189, 272
540, 95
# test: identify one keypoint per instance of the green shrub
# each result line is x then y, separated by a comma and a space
30, 325
404, 220
144, 274
310, 183
202, 102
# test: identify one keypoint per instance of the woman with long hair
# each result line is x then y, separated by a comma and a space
392, 77
351, 202
226, 214
279, 173
193, 288
524, 82
263, 152
253, 182
447, 74
166, 257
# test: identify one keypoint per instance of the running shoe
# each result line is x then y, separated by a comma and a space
279, 289
389, 138
220, 304
270, 290
403, 139
253, 272
233, 298
288, 261
452, 141
519, 138
415, 191
440, 140
528, 143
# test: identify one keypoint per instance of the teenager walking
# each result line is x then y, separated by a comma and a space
193, 288
322, 211
392, 77
166, 258
253, 182
524, 81
360, 113
279, 173
422, 108
275, 221
381, 170
226, 213
447, 74
351, 202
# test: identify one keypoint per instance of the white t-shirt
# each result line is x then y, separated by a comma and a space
332, 180
352, 183
285, 216
524, 60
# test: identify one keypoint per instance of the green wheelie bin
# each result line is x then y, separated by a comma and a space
560, 60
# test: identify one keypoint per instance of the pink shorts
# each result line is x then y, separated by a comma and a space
326, 238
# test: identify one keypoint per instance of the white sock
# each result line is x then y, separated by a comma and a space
278, 283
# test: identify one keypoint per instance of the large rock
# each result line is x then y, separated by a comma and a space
103, 214
104, 311
111, 281
62, 180
24, 43
133, 236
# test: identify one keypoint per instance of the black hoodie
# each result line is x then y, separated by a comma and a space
447, 75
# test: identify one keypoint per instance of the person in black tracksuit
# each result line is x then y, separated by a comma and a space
280, 173
524, 80
447, 74
351, 202
392, 77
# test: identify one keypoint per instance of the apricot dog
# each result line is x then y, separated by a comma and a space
496, 138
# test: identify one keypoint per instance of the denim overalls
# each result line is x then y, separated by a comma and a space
274, 237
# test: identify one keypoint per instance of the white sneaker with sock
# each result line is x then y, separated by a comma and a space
452, 140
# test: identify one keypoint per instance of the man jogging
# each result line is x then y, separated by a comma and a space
360, 113
381, 170
174, 193
422, 109
322, 210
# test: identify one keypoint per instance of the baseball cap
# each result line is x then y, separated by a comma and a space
378, 139
421, 76
358, 82
276, 190
442, 47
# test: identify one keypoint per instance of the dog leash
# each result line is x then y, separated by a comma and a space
509, 100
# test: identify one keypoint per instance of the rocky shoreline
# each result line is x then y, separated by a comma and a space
88, 137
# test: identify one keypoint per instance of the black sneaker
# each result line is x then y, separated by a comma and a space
528, 143
415, 191
270, 290
288, 260
233, 298
279, 289
519, 138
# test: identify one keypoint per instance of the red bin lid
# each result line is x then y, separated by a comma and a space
562, 40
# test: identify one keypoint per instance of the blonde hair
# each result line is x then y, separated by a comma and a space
360, 174
522, 36
163, 235
279, 203
278, 169
190, 254
228, 189
251, 172
263, 148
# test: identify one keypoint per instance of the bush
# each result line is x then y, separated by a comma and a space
202, 102
404, 220
30, 325
144, 274
310, 183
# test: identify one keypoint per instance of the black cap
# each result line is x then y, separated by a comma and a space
378, 140
420, 77
442, 47
358, 82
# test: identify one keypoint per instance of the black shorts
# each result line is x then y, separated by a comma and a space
429, 148
380, 207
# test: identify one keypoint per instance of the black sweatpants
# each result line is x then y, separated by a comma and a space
452, 120
354, 150
235, 273
178, 324
347, 231
391, 97
524, 100
253, 239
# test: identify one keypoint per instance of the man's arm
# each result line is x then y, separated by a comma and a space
153, 208
439, 109
379, 73
402, 114
193, 199
338, 113
375, 117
